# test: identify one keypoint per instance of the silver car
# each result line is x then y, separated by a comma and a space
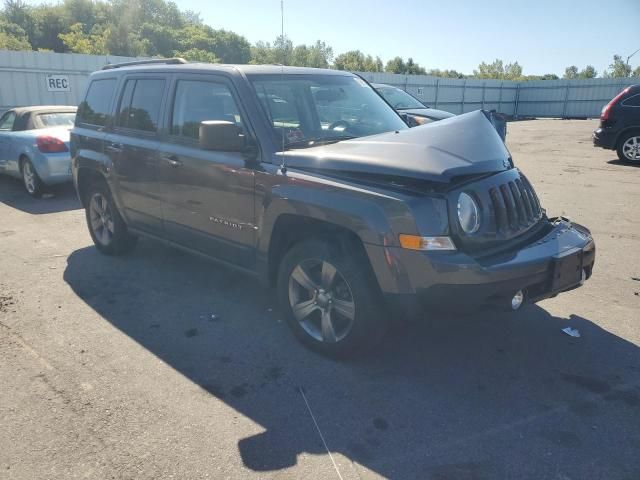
34, 145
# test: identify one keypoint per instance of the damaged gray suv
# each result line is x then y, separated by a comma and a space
308, 180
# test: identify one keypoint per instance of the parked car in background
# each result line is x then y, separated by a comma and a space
620, 125
418, 113
307, 180
404, 102
34, 145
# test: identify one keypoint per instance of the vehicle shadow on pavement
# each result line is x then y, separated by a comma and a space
57, 198
619, 163
460, 397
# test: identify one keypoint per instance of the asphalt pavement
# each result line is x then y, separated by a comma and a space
161, 365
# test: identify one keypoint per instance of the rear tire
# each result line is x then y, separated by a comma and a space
628, 148
30, 179
106, 226
330, 301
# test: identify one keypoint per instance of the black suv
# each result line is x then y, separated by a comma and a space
308, 180
620, 125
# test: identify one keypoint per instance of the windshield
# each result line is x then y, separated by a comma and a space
399, 99
310, 110
57, 119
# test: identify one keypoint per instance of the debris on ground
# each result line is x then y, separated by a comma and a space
572, 332
5, 302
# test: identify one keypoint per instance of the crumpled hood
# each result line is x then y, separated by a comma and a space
462, 145
428, 112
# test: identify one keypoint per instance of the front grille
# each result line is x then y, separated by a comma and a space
515, 205
509, 208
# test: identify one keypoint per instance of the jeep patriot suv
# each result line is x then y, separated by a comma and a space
308, 180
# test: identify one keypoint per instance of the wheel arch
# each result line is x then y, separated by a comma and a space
85, 178
624, 132
21, 159
291, 229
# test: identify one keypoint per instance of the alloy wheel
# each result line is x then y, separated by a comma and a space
29, 177
631, 149
321, 300
101, 219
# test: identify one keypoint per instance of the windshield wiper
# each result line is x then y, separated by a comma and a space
314, 142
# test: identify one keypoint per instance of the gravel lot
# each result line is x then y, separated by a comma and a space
159, 365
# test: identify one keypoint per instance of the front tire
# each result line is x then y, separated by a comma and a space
330, 301
30, 179
629, 147
106, 226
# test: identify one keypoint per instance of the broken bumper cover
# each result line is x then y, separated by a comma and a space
559, 261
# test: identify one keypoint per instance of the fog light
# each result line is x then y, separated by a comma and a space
517, 300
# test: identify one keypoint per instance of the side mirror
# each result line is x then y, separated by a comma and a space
221, 135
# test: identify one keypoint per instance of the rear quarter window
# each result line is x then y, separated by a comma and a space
96, 107
633, 101
55, 119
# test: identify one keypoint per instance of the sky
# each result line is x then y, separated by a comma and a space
544, 36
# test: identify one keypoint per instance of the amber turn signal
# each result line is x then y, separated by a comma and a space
414, 242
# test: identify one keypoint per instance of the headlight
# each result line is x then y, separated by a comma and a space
468, 213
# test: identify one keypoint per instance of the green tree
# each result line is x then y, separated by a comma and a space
490, 70
436, 72
636, 72
499, 71
513, 71
261, 53
570, 72
413, 68
230, 47
319, 55
396, 65
618, 68
588, 72
356, 61
77, 41
13, 37
198, 55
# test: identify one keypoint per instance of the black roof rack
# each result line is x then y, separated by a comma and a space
161, 61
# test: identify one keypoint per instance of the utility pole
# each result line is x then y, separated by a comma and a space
632, 56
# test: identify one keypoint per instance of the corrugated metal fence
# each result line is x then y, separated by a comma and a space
25, 80
24, 76
539, 98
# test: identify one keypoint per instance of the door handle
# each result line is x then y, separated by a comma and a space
172, 160
114, 147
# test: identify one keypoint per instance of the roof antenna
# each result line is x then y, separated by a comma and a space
283, 165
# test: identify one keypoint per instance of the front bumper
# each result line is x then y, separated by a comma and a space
560, 260
604, 138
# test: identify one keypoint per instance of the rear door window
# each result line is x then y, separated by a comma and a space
140, 104
96, 107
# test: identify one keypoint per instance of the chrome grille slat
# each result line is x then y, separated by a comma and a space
525, 199
502, 221
515, 206
536, 202
510, 204
517, 197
